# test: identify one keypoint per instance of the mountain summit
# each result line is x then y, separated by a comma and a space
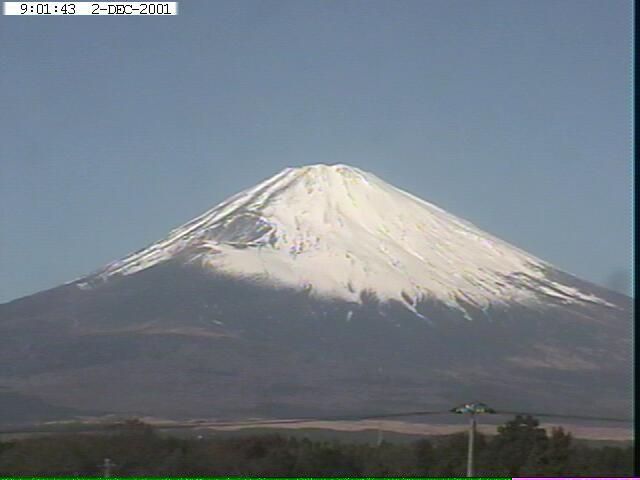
321, 291
338, 232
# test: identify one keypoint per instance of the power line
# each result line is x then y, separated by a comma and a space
568, 416
398, 415
212, 424
475, 408
288, 421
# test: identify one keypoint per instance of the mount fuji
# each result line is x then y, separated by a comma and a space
321, 290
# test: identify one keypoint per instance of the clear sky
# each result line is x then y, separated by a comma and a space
515, 115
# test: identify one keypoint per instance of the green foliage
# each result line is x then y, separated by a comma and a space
520, 442
521, 448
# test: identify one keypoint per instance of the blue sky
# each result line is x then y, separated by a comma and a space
514, 115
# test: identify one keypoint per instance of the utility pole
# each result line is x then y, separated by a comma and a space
472, 435
106, 467
472, 409
380, 433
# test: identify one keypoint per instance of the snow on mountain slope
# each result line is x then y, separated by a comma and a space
338, 231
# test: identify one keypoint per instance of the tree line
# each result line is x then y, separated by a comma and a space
520, 448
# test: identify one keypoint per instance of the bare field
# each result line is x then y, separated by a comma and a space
586, 432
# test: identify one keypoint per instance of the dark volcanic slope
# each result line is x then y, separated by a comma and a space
175, 341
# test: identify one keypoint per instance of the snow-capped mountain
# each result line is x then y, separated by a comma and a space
321, 291
338, 231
